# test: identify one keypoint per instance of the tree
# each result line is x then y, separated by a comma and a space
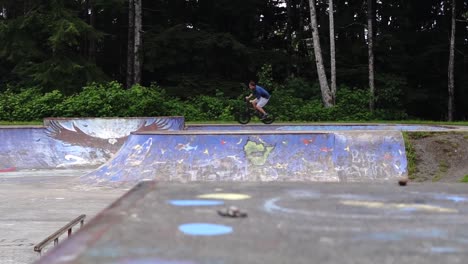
41, 44
332, 50
137, 64
451, 66
131, 44
134, 44
326, 93
370, 49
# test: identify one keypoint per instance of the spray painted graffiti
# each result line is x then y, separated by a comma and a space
72, 143
275, 156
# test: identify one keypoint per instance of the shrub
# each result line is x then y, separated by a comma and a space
29, 104
96, 100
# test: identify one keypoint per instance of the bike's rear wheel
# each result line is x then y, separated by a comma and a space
269, 119
243, 117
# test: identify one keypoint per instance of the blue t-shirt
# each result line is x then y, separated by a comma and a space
260, 92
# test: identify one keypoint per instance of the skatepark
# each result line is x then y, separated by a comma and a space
152, 188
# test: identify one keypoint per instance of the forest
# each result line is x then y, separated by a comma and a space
322, 60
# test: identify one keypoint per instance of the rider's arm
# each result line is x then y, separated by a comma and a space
247, 97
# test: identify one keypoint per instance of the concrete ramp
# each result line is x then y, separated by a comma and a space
256, 156
66, 143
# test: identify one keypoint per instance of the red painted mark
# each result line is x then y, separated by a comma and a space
223, 142
325, 149
8, 169
308, 141
388, 156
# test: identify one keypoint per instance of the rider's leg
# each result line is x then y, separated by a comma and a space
261, 103
261, 110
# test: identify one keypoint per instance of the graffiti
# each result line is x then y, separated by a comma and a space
73, 142
370, 155
400, 206
275, 156
257, 153
365, 164
359, 172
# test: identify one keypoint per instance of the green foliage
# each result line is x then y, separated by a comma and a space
419, 134
111, 99
29, 104
284, 105
96, 100
194, 48
390, 93
306, 89
352, 104
195, 60
410, 155
464, 179
265, 76
42, 48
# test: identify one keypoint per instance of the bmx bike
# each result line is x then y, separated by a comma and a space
245, 115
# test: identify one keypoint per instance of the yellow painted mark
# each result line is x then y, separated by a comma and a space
224, 196
380, 205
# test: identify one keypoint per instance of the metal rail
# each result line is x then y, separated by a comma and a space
55, 236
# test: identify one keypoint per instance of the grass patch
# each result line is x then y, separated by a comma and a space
410, 155
419, 135
464, 179
443, 168
20, 123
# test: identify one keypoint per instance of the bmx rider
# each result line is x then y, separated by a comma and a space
261, 98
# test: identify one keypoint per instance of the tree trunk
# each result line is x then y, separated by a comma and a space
370, 48
451, 66
302, 45
326, 94
138, 43
332, 50
289, 29
92, 41
131, 43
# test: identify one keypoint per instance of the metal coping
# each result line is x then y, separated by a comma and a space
256, 132
116, 117
454, 127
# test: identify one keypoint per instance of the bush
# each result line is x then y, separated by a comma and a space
111, 99
96, 100
151, 101
29, 104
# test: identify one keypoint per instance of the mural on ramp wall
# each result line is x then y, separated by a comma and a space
275, 156
106, 134
72, 143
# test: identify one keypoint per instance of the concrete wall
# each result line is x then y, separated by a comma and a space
72, 142
257, 156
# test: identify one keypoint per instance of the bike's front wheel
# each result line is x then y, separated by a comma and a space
269, 119
243, 117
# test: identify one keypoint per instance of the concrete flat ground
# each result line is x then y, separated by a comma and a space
35, 204
287, 223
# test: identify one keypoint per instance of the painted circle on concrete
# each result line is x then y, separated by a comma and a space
195, 202
225, 196
205, 229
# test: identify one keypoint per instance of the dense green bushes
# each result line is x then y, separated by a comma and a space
111, 99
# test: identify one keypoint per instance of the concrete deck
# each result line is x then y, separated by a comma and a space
287, 223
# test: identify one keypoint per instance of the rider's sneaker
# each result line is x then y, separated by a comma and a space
264, 117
